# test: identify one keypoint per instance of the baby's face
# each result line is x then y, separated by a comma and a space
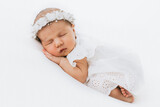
58, 38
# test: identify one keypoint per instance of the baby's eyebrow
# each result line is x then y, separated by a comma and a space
46, 40
62, 31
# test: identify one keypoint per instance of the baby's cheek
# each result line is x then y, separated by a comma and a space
52, 51
71, 41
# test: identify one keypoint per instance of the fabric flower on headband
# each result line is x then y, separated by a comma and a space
49, 17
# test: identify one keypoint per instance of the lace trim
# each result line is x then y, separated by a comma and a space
106, 82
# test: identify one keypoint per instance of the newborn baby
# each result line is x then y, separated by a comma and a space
99, 67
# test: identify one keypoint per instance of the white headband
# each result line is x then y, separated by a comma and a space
53, 16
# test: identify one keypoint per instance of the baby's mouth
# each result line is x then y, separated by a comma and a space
62, 50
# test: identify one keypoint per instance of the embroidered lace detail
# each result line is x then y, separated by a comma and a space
106, 82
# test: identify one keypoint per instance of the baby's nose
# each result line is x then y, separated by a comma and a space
58, 42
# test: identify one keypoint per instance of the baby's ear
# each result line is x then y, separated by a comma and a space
73, 25
74, 31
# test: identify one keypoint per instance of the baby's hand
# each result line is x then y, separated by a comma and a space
55, 59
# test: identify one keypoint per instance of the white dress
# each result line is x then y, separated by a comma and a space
108, 66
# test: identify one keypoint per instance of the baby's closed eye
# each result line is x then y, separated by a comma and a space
49, 42
62, 35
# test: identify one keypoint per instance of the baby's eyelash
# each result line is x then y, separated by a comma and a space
49, 42
63, 34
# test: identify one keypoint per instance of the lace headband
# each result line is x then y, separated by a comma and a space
53, 16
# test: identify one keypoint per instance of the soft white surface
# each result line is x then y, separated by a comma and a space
28, 79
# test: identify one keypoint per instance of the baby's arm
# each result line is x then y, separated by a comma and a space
80, 72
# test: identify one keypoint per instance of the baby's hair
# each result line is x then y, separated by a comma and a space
37, 38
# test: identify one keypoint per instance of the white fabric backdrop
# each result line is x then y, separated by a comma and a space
29, 79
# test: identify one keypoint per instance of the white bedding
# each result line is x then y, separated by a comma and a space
29, 79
